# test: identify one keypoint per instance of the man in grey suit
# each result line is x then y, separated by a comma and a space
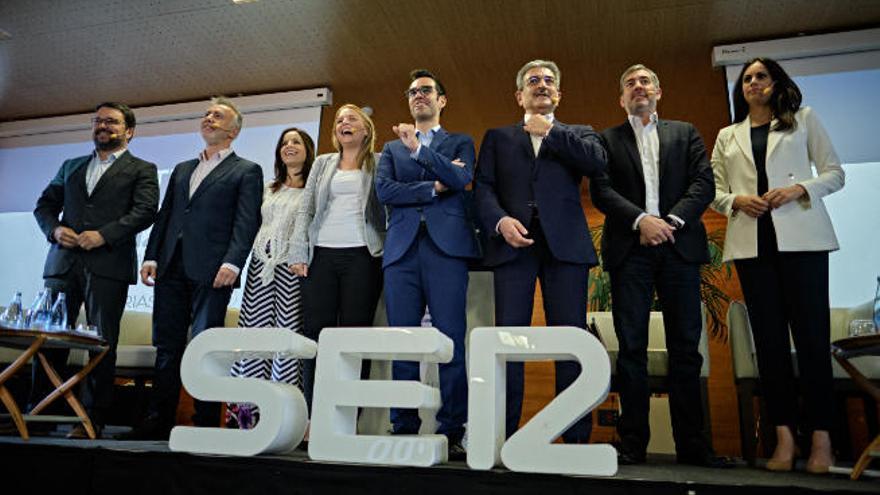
104, 199
203, 234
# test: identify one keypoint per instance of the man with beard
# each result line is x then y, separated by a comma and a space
528, 196
203, 234
657, 186
422, 178
104, 200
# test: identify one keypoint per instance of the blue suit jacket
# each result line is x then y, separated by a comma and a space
217, 225
406, 186
509, 176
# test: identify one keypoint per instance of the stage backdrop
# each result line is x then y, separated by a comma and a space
32, 151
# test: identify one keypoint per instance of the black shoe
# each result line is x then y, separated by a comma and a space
456, 452
627, 457
706, 460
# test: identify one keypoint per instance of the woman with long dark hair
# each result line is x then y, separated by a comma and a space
779, 235
272, 296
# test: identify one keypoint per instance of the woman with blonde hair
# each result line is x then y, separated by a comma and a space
339, 234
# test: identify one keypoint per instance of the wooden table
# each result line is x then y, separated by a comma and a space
843, 350
31, 342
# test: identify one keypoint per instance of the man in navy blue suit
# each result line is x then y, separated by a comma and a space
197, 248
422, 178
528, 197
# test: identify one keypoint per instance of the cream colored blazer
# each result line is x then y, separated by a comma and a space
802, 225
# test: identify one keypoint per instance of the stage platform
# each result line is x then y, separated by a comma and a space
53, 464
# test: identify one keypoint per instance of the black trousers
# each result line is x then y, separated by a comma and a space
789, 291
179, 303
632, 293
104, 299
342, 290
564, 290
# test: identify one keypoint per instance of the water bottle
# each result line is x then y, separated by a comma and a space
41, 310
58, 319
877, 307
12, 316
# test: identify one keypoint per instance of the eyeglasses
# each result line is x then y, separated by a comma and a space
96, 121
413, 92
535, 80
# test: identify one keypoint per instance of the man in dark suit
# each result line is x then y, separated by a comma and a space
203, 234
657, 186
104, 199
422, 178
528, 196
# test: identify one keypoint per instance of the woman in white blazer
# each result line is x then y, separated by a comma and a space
779, 235
339, 234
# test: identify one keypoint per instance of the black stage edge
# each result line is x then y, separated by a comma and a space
59, 466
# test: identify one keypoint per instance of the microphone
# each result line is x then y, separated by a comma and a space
555, 99
766, 91
217, 126
114, 136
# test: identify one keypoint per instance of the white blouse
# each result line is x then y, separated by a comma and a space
272, 243
343, 226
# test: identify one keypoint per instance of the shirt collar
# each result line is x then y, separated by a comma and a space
636, 121
431, 132
112, 157
219, 156
549, 117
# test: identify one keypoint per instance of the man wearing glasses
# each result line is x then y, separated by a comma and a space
528, 196
104, 199
422, 178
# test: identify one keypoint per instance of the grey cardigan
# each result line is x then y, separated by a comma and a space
314, 206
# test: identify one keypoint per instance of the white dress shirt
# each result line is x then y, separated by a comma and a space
648, 143
97, 167
536, 140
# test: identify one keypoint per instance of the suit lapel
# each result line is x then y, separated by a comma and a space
185, 176
324, 189
77, 175
223, 168
119, 165
632, 149
524, 140
439, 137
663, 154
743, 137
773, 138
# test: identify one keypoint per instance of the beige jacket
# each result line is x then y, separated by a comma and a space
802, 225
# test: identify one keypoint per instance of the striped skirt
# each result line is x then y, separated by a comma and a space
278, 304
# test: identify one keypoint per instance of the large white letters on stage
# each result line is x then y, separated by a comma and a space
339, 392
205, 374
531, 449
